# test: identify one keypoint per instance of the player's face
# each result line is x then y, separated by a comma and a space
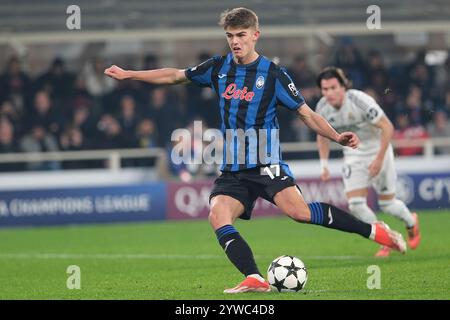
242, 42
333, 91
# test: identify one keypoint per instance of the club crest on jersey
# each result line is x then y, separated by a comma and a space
373, 113
260, 82
241, 94
351, 117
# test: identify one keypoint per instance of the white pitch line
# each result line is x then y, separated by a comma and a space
104, 256
143, 256
336, 257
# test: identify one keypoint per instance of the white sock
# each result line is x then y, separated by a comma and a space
372, 232
360, 210
256, 276
397, 209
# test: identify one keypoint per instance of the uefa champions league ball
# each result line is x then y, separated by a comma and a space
287, 274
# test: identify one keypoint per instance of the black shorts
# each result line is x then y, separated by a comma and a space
247, 185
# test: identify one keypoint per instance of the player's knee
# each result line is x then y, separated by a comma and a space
390, 205
219, 215
358, 208
293, 208
213, 217
357, 204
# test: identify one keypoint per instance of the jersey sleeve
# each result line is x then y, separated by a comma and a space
286, 92
201, 73
370, 108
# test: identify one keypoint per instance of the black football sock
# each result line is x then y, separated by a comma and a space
237, 250
332, 217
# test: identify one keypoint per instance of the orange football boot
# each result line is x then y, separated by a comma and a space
250, 284
387, 237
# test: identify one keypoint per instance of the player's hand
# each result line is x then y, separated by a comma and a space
116, 72
325, 175
348, 139
375, 167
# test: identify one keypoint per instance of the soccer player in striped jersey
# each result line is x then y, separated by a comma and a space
249, 87
372, 163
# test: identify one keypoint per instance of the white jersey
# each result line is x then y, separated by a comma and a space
358, 114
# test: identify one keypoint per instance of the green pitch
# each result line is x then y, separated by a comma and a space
182, 260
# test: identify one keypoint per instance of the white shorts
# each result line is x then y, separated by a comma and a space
355, 174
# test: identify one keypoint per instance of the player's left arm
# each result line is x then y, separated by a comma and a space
321, 126
387, 132
291, 98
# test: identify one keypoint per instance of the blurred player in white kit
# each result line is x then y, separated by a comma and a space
372, 163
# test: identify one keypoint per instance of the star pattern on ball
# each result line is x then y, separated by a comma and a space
290, 270
279, 284
274, 265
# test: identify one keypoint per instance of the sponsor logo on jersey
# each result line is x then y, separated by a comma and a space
241, 94
293, 89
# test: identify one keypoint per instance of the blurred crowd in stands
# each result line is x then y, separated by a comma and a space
64, 109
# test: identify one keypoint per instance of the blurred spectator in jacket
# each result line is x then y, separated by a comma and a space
147, 137
128, 119
348, 58
418, 111
96, 82
440, 128
301, 74
9, 110
146, 134
407, 132
110, 133
15, 85
8, 145
39, 140
58, 81
43, 113
72, 139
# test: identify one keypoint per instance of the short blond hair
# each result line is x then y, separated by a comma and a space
239, 18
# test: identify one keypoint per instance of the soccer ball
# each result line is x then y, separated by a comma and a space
287, 274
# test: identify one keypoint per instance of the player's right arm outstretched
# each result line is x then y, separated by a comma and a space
157, 76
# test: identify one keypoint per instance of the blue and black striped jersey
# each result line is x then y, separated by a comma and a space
248, 97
